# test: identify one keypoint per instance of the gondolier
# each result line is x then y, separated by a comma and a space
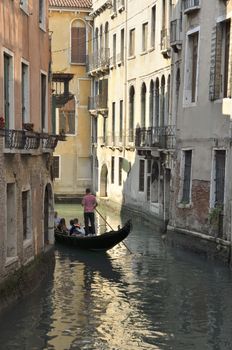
89, 203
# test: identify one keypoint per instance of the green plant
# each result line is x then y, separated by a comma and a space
214, 215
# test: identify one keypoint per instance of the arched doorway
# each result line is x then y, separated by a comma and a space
103, 181
48, 215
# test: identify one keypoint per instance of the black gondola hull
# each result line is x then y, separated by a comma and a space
103, 242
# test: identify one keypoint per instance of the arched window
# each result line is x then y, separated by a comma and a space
107, 35
151, 104
78, 42
96, 42
157, 108
162, 101
101, 40
143, 105
131, 113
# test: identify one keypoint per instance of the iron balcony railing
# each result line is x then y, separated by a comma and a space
98, 102
175, 31
162, 137
165, 42
26, 140
99, 60
189, 5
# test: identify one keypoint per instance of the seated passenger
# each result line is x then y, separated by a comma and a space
62, 226
76, 228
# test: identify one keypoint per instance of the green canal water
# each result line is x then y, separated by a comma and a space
158, 297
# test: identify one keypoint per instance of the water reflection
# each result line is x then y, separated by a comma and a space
155, 298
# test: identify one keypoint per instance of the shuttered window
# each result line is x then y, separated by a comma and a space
187, 176
141, 174
78, 45
221, 60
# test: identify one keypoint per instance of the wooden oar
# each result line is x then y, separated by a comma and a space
111, 228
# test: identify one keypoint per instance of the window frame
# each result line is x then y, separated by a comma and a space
188, 93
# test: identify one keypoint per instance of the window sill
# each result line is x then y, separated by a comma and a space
24, 9
144, 53
11, 260
27, 243
131, 57
185, 206
152, 48
189, 105
77, 64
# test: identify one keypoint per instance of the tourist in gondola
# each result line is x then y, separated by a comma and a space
62, 226
76, 228
89, 203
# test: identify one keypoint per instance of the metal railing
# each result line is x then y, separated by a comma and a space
161, 137
165, 41
27, 140
189, 4
175, 30
99, 59
98, 102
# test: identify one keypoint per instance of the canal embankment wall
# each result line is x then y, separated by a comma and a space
27, 278
211, 247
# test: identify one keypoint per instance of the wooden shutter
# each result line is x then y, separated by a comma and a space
215, 63
229, 82
78, 45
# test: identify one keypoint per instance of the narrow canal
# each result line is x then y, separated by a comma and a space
158, 297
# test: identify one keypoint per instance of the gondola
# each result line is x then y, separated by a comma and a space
102, 242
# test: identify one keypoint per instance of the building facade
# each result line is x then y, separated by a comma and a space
27, 138
133, 129
71, 31
201, 85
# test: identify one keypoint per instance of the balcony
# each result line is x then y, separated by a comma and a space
98, 63
165, 43
28, 142
191, 6
175, 35
98, 104
162, 137
60, 85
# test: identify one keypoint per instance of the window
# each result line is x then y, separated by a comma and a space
43, 95
131, 113
120, 120
120, 171
42, 14
153, 23
221, 72
26, 217
143, 105
148, 179
191, 68
104, 129
11, 226
151, 104
112, 169
113, 122
25, 92
157, 102
78, 42
8, 91
187, 176
141, 174
132, 42
56, 167
114, 49
122, 46
67, 121
144, 36
219, 186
